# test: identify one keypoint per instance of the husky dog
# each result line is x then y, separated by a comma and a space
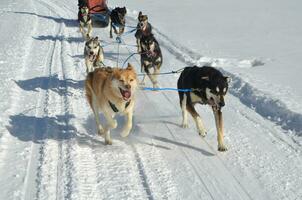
85, 21
111, 91
144, 28
117, 20
209, 87
151, 57
94, 54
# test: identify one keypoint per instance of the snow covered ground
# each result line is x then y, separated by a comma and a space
48, 145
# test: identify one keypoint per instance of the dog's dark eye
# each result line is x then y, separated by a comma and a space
122, 81
131, 80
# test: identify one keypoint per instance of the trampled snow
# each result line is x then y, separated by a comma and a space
48, 143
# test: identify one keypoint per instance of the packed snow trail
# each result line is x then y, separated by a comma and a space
49, 149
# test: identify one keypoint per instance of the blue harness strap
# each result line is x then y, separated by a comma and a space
167, 89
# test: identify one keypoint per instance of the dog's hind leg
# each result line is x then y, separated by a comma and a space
219, 127
95, 109
138, 43
128, 125
154, 77
183, 105
197, 119
89, 27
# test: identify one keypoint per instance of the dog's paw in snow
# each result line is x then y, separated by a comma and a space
222, 147
108, 142
125, 133
185, 125
203, 133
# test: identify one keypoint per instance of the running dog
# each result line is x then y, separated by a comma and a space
144, 28
209, 87
151, 57
111, 91
117, 20
85, 21
94, 54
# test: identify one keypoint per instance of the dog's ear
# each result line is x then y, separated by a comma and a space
129, 67
205, 78
228, 79
140, 13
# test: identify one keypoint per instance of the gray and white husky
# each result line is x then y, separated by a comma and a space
94, 54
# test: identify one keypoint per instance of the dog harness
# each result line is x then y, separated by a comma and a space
114, 108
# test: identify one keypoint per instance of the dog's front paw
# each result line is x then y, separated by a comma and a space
125, 133
185, 125
202, 133
156, 86
222, 147
108, 142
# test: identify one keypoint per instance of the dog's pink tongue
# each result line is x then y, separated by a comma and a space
127, 94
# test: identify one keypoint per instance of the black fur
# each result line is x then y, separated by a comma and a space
195, 77
151, 57
118, 20
82, 3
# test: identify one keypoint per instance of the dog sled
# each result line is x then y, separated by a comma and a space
99, 12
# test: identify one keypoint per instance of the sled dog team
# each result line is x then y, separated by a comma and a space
111, 90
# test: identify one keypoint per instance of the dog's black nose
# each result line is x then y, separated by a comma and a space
221, 104
91, 52
141, 24
128, 87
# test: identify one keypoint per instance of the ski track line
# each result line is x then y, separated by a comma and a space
105, 194
49, 150
16, 107
204, 172
43, 171
36, 150
84, 173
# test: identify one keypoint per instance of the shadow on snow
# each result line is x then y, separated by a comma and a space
52, 83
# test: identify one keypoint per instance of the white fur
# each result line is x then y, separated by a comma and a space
195, 98
184, 112
213, 96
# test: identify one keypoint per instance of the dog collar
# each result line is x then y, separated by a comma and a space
114, 108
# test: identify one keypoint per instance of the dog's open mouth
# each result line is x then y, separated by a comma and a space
126, 94
92, 57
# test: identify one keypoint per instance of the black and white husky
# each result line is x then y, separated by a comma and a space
85, 21
151, 58
144, 28
94, 54
209, 87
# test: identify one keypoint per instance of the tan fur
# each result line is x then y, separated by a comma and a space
102, 86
